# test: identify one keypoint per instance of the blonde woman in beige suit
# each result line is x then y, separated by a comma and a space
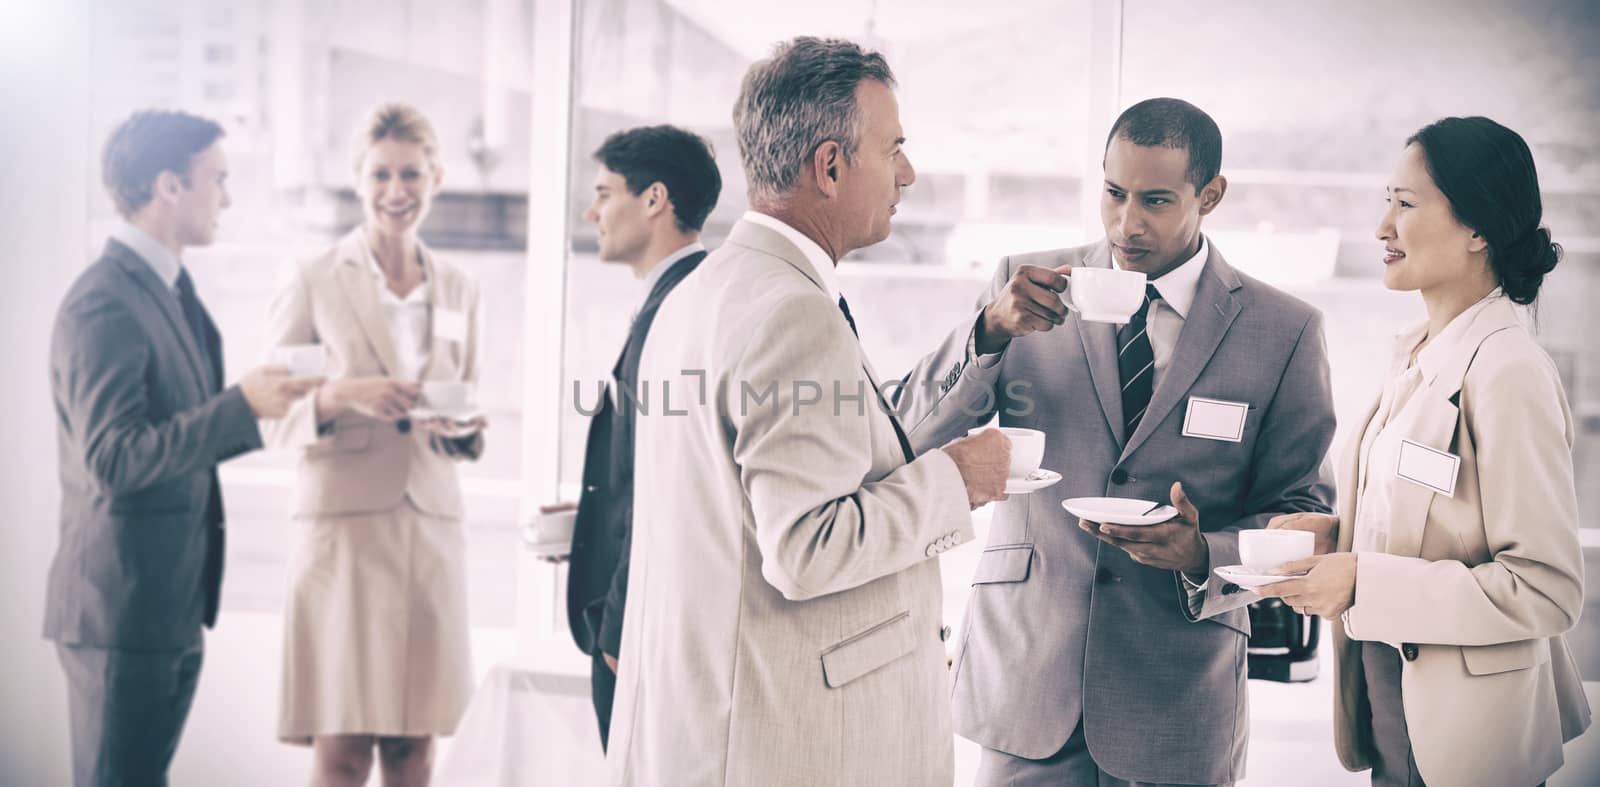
1456, 567
375, 634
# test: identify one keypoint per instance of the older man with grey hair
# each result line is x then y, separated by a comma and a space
784, 620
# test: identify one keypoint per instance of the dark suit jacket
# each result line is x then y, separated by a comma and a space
141, 424
597, 585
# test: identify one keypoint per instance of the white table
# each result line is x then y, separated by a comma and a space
527, 724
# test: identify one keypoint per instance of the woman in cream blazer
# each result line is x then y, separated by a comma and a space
1456, 567
375, 634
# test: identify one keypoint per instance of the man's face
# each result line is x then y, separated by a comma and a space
620, 217
202, 196
1149, 208
870, 186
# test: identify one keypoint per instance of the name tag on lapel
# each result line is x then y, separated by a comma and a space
1215, 419
449, 326
1428, 468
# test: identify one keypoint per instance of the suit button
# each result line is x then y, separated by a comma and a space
403, 425
1105, 577
944, 633
933, 549
1230, 589
1119, 476
1409, 651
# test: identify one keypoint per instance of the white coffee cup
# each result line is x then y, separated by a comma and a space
1104, 294
1027, 449
1264, 550
447, 395
302, 360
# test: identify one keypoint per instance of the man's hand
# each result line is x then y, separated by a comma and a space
376, 397
1174, 545
1327, 590
611, 661
1030, 302
984, 460
269, 390
450, 428
1324, 526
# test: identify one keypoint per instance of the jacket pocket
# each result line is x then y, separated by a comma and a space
347, 438
869, 650
1506, 656
1006, 563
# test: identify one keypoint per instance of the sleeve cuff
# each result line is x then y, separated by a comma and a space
983, 361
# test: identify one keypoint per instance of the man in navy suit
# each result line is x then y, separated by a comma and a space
142, 422
653, 190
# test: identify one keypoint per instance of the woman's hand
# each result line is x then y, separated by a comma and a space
376, 397
1324, 526
1327, 589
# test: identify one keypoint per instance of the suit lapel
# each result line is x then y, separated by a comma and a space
361, 289
1210, 315
1100, 347
167, 303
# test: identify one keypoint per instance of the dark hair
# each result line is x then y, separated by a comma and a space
678, 159
147, 144
1178, 124
1486, 172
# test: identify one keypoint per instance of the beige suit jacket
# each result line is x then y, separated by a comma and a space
1478, 588
783, 625
353, 464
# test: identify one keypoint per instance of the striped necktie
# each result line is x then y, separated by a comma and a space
1136, 364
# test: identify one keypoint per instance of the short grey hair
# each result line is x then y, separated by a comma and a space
800, 97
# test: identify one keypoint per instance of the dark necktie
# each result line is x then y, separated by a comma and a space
905, 444
1136, 364
199, 327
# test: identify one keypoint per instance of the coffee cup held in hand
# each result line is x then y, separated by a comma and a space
1104, 294
1263, 550
447, 396
302, 360
1027, 449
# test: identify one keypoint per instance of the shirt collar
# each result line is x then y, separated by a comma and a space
1179, 285
158, 257
418, 294
818, 259
1444, 346
667, 262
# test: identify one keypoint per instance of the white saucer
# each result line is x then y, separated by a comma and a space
1032, 482
462, 415
1245, 578
1118, 510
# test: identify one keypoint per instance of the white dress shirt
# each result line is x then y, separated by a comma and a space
158, 257
408, 319
1379, 455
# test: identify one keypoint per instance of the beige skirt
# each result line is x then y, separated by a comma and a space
375, 637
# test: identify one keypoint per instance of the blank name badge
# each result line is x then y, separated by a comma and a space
1428, 467
1215, 419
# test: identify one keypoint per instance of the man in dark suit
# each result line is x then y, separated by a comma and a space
142, 421
652, 193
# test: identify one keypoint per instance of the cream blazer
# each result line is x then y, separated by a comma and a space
784, 616
353, 464
1480, 587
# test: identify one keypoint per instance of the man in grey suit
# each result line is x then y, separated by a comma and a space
783, 620
142, 421
1095, 654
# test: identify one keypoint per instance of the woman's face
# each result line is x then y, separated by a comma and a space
1424, 245
396, 183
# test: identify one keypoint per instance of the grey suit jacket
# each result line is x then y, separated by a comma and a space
783, 619
140, 431
1060, 627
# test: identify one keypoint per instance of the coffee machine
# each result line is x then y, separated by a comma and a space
1283, 643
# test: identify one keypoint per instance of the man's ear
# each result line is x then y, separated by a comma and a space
167, 186
1211, 195
655, 199
826, 162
